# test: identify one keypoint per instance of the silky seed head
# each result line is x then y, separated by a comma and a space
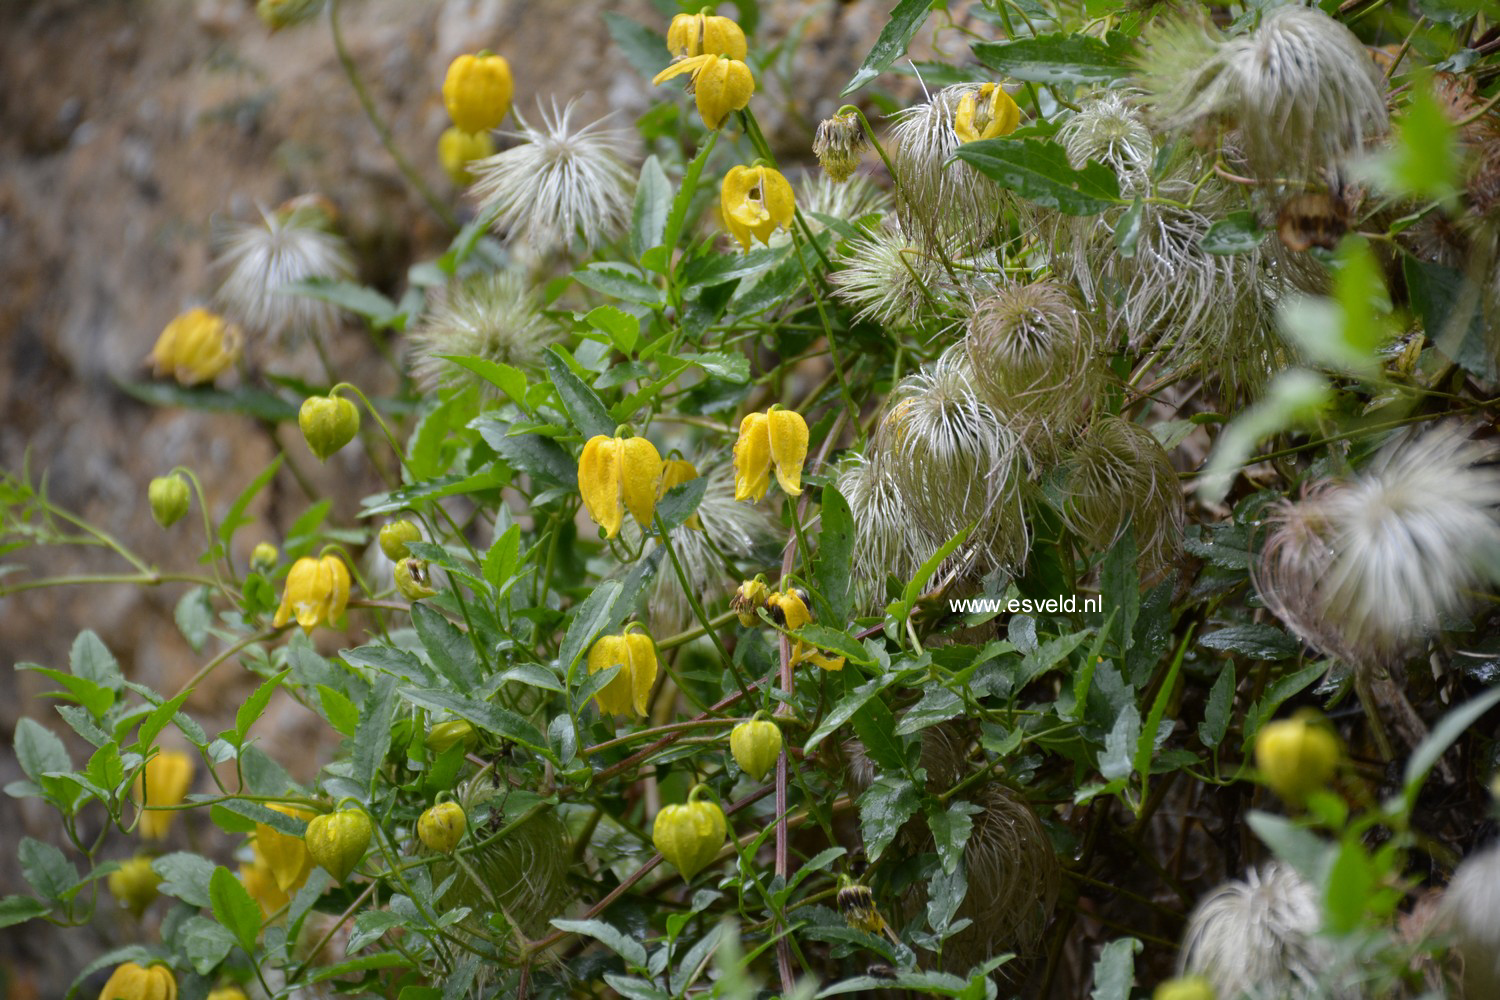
941, 201
888, 539
1120, 477
890, 278
1111, 130
258, 262
492, 317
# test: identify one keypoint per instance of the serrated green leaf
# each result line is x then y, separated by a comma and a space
185, 876
884, 809
1217, 712
1114, 972
1235, 233
1255, 640
254, 705
585, 409
623, 329
608, 935
491, 718
653, 200
507, 378
47, 870
372, 739
233, 907
833, 571
205, 943
19, 909
680, 503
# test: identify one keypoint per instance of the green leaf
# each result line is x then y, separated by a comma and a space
1295, 397
490, 718
1114, 972
1117, 759
507, 378
449, 649
833, 572
645, 50
185, 876
653, 200
370, 926
618, 282
1265, 707
341, 713
1351, 881
1457, 722
372, 739
434, 489
884, 809
612, 938
906, 18
584, 407
251, 710
1257, 641
876, 728
1038, 170
91, 660
1235, 233
529, 452
1060, 58
233, 907
950, 831
729, 367
589, 620
237, 516
680, 502
205, 943
96, 699
913, 590
51, 874
194, 615
1294, 844
623, 329
380, 311
39, 751
1423, 158
938, 704
845, 709
19, 909
1128, 230
677, 218
257, 403
1452, 315
835, 641
1217, 712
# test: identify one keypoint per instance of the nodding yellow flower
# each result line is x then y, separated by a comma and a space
718, 84
164, 781
134, 884
754, 201
136, 982
675, 472
227, 993
260, 882
986, 113
317, 591
619, 474
284, 855
630, 689
705, 34
751, 595
774, 439
1297, 756
790, 611
457, 149
195, 347
690, 836
477, 91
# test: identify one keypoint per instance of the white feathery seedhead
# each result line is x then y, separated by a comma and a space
855, 198
1405, 544
888, 539
889, 278
257, 262
1471, 907
1120, 475
1109, 128
939, 201
1257, 938
492, 317
561, 182
956, 464
1301, 89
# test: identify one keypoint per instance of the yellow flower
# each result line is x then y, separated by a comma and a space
477, 91
337, 841
616, 475
442, 827
457, 149
1297, 756
630, 689
260, 882
133, 982
776, 438
751, 595
284, 854
754, 201
166, 779
718, 84
978, 118
705, 34
196, 346
227, 993
1186, 988
689, 836
317, 590
134, 884
675, 472
789, 610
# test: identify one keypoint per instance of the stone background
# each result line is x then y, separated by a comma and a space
127, 127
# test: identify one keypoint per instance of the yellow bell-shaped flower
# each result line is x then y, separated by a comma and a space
134, 982
260, 882
1297, 756
337, 841
776, 439
754, 201
689, 836
284, 853
227, 993
630, 689
457, 149
317, 591
790, 611
986, 113
163, 782
675, 472
619, 474
705, 34
134, 884
195, 347
719, 85
477, 91
756, 745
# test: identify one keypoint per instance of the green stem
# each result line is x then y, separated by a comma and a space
697, 606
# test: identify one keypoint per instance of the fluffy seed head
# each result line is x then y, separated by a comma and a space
852, 199
941, 201
492, 317
1472, 907
888, 539
838, 144
1120, 476
888, 277
1366, 568
562, 181
258, 261
1110, 129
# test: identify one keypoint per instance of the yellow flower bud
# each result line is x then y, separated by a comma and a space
283, 853
477, 91
134, 884
619, 474
169, 499
338, 840
752, 594
263, 558
443, 735
630, 689
689, 836
986, 113
394, 536
164, 781
328, 423
705, 34
442, 827
133, 982
754, 201
675, 472
777, 438
1296, 756
412, 578
719, 85
1185, 988
755, 745
195, 347
317, 591
457, 149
